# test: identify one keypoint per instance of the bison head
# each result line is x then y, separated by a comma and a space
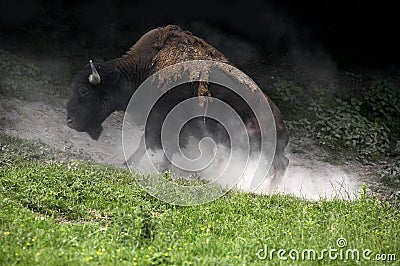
93, 97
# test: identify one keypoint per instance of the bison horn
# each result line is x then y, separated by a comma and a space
94, 78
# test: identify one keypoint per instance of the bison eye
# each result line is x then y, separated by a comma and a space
83, 91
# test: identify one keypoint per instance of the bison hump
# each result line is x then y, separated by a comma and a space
176, 45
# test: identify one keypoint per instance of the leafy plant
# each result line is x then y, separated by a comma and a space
345, 127
285, 91
390, 173
286, 94
381, 101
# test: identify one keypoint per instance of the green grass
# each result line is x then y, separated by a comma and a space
75, 213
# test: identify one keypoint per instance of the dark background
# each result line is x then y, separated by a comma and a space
356, 33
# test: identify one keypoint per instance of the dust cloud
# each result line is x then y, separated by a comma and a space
306, 178
32, 108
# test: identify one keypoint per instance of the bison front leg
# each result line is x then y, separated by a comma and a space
280, 162
137, 155
279, 166
166, 163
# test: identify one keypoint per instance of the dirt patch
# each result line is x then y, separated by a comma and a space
31, 112
40, 121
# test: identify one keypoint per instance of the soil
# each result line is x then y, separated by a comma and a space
33, 107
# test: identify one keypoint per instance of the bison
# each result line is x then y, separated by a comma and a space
102, 88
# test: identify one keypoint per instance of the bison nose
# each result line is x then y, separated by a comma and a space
69, 120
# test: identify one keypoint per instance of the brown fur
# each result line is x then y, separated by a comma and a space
168, 46
158, 49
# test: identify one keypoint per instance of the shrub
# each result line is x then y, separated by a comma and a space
381, 101
390, 173
345, 127
286, 94
285, 91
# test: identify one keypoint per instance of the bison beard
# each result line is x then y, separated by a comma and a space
104, 87
95, 132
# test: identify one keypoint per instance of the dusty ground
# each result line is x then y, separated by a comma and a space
33, 109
